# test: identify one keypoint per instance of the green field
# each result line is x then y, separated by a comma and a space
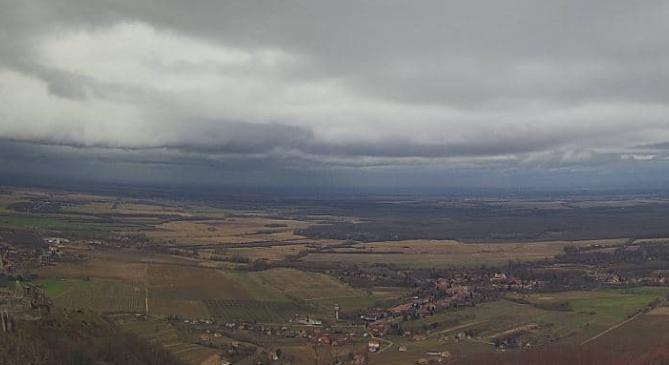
641, 335
194, 292
318, 290
305, 285
280, 294
104, 296
592, 312
61, 224
258, 289
261, 311
58, 287
612, 304
32, 222
419, 260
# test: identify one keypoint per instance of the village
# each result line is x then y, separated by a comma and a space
20, 261
357, 336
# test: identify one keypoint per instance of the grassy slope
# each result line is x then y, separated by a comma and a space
77, 338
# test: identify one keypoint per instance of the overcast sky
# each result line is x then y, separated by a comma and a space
400, 93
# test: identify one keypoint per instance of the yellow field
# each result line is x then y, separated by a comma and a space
97, 268
305, 286
273, 253
426, 253
450, 247
6, 200
175, 282
107, 207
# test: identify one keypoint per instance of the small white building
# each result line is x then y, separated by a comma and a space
373, 346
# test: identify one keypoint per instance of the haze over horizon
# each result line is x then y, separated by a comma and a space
432, 94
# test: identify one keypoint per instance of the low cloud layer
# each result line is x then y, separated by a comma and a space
338, 90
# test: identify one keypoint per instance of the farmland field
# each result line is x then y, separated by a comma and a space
125, 208
177, 282
592, 313
159, 265
640, 335
304, 285
272, 253
197, 292
446, 253
98, 268
162, 333
261, 311
189, 291
102, 296
227, 230
318, 290
34, 222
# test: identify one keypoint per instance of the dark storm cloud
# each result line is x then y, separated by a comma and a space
661, 146
228, 137
318, 85
437, 51
210, 137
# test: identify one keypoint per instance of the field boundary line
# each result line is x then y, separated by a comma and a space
455, 328
389, 343
612, 328
146, 289
146, 300
341, 297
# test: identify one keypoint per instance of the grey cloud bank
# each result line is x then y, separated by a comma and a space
435, 93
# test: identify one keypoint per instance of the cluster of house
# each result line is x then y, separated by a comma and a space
307, 321
432, 357
438, 294
381, 323
323, 336
435, 358
14, 260
57, 241
510, 282
378, 276
618, 279
53, 251
6, 267
607, 278
210, 330
194, 322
